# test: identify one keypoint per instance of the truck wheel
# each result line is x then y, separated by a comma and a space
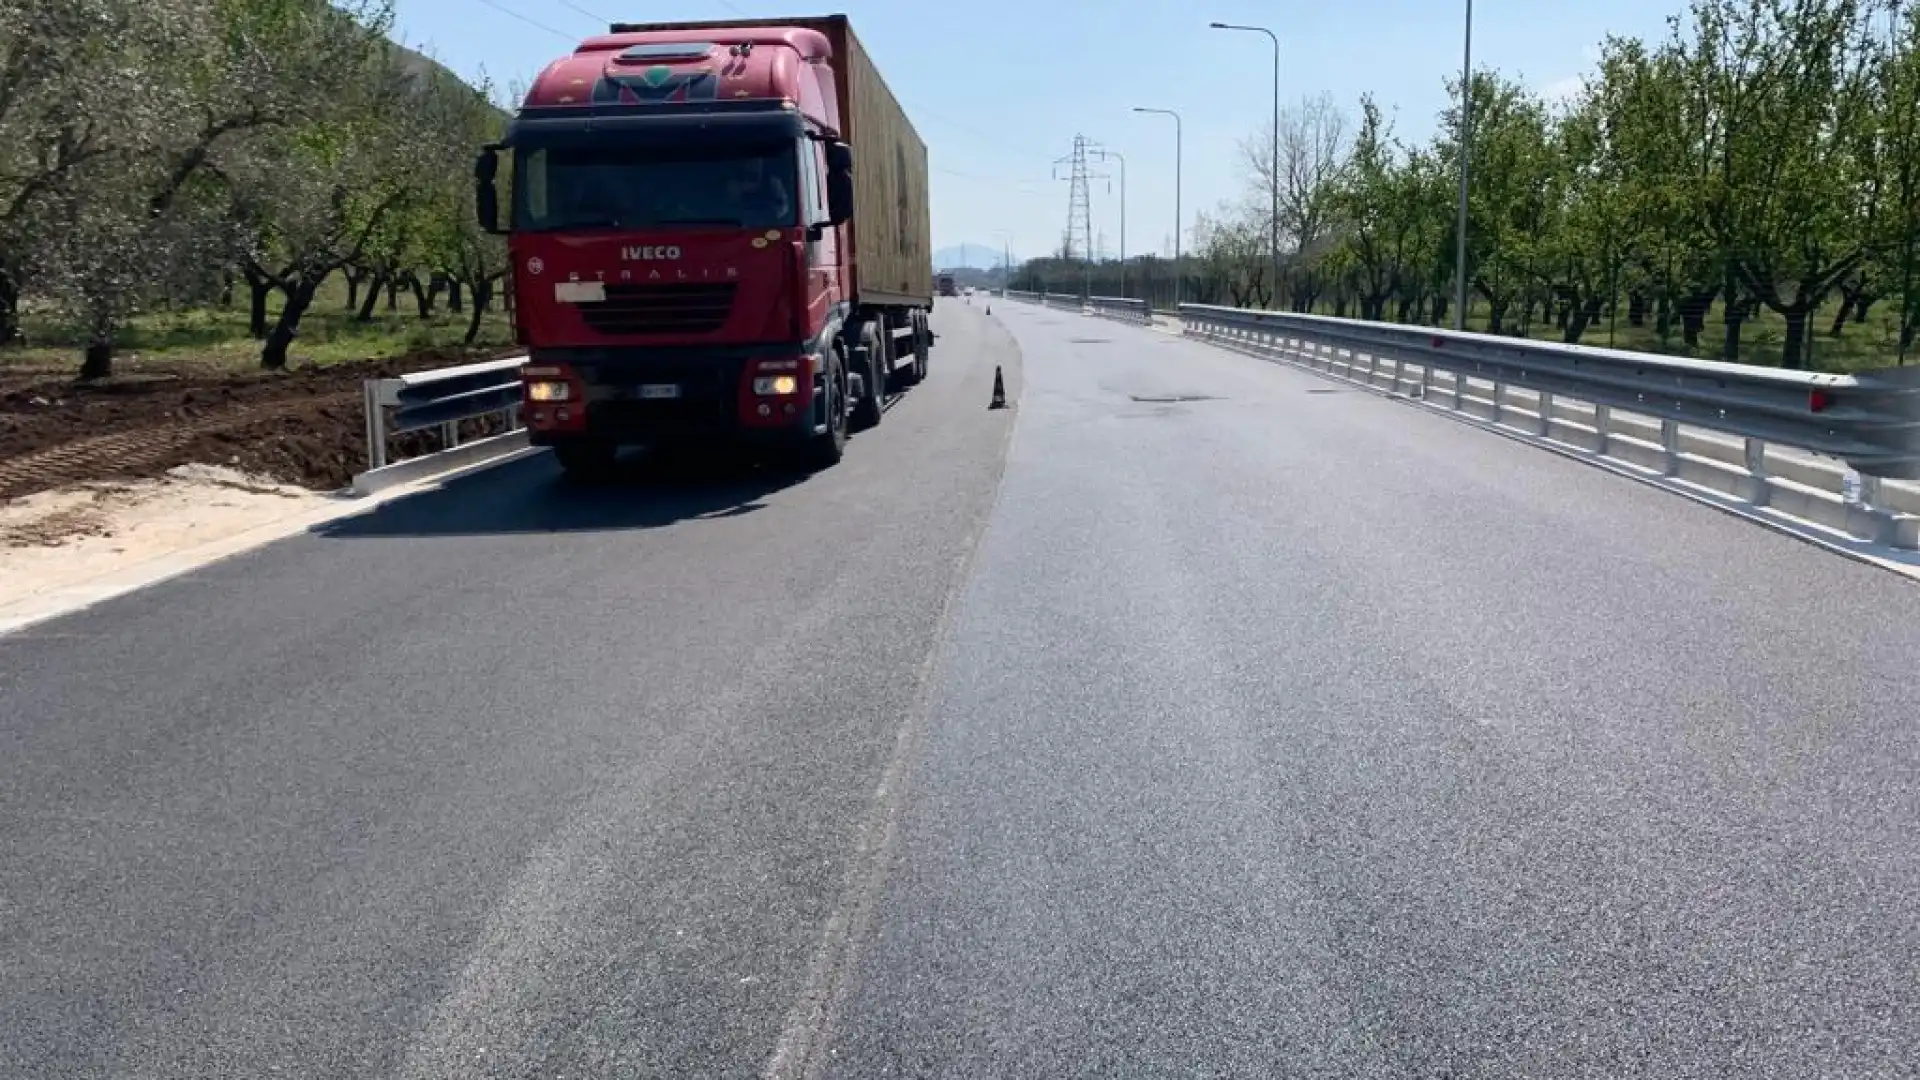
825, 450
917, 371
586, 459
868, 411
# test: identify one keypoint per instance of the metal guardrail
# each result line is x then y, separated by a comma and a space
1120, 307
1023, 297
440, 398
1063, 301
1757, 434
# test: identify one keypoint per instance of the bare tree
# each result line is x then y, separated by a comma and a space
1315, 147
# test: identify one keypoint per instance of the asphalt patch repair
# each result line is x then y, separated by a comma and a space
1170, 399
303, 426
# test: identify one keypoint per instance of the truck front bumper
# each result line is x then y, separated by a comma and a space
646, 398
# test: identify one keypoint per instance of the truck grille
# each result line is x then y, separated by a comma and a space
660, 309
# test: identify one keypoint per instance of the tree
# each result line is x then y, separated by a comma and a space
1898, 79
102, 245
353, 168
1792, 191
1313, 154
461, 119
50, 126
1366, 204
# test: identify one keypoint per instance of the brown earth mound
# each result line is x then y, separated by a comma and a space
303, 426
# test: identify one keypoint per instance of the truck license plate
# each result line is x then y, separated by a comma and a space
659, 391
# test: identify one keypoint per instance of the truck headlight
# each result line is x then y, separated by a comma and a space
549, 391
776, 386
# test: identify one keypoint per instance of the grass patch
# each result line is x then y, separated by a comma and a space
216, 339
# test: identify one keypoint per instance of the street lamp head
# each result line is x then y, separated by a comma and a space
1219, 26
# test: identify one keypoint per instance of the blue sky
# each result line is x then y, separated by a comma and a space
999, 88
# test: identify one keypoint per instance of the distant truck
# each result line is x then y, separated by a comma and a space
947, 286
718, 231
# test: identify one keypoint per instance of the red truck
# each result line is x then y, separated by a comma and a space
719, 231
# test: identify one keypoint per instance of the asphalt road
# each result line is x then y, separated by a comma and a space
510, 780
1282, 731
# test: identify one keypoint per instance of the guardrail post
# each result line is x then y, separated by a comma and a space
450, 434
1499, 401
1758, 492
1670, 443
1869, 491
376, 424
1602, 426
1546, 413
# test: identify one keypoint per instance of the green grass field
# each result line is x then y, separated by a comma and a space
217, 339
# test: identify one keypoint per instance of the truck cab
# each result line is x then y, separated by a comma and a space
677, 225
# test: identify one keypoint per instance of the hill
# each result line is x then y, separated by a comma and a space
975, 256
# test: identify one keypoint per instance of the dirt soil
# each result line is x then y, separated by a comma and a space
302, 427
83, 532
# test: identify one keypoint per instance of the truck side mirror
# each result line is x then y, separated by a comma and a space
486, 197
839, 183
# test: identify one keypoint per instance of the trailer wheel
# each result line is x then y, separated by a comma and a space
921, 336
825, 450
868, 411
586, 459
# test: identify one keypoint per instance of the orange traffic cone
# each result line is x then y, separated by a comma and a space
999, 390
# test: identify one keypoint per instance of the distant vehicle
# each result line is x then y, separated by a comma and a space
693, 261
947, 287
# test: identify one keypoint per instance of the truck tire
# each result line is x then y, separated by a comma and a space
871, 408
917, 371
825, 450
586, 459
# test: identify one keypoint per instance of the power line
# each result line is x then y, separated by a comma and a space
509, 12
976, 133
1025, 187
597, 18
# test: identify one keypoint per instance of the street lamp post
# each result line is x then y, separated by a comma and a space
1273, 220
1178, 220
1104, 154
1466, 151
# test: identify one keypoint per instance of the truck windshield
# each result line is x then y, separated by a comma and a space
607, 187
